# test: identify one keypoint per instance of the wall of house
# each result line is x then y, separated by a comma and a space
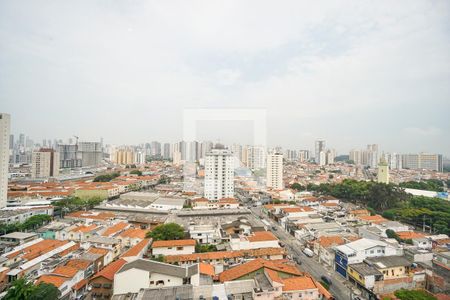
173, 250
131, 281
101, 287
165, 280
303, 295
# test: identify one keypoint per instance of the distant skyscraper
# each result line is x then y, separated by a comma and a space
91, 153
166, 151
22, 140
383, 172
219, 173
274, 171
256, 157
5, 125
303, 155
156, 148
319, 147
45, 163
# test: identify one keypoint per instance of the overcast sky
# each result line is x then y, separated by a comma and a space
349, 72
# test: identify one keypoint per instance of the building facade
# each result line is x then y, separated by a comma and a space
5, 123
274, 171
219, 174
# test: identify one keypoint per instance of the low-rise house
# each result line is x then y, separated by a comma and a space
64, 278
167, 204
78, 232
115, 229
137, 251
221, 259
131, 236
173, 247
102, 283
357, 251
257, 240
17, 238
324, 248
205, 234
109, 243
151, 274
418, 239
106, 255
227, 203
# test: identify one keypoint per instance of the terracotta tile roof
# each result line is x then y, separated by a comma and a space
328, 241
360, 212
256, 264
376, 219
260, 236
207, 269
133, 233
80, 264
173, 243
323, 291
200, 200
115, 229
100, 251
70, 249
84, 228
405, 235
37, 249
111, 269
80, 284
65, 271
133, 251
218, 255
52, 279
91, 215
297, 209
298, 284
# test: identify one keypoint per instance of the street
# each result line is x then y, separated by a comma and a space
339, 290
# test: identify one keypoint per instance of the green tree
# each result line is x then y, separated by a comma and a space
199, 248
297, 186
136, 172
24, 290
169, 231
106, 177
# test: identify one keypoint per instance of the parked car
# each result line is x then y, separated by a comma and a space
308, 252
326, 279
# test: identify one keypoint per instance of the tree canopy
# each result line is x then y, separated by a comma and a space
136, 172
24, 290
31, 223
106, 177
169, 231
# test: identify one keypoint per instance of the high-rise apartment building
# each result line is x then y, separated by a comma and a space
166, 151
156, 148
274, 171
219, 173
319, 147
45, 163
91, 153
427, 161
124, 157
256, 157
5, 127
303, 155
69, 156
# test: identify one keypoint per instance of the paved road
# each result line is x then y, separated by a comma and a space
339, 290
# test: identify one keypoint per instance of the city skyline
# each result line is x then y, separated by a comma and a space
354, 75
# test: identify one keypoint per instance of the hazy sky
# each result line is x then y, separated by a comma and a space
350, 72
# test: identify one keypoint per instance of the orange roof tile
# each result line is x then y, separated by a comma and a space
115, 229
84, 228
80, 264
328, 241
376, 219
173, 243
260, 236
65, 271
91, 215
52, 279
298, 284
111, 269
134, 233
406, 235
80, 284
217, 255
133, 251
37, 249
101, 251
256, 264
206, 269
